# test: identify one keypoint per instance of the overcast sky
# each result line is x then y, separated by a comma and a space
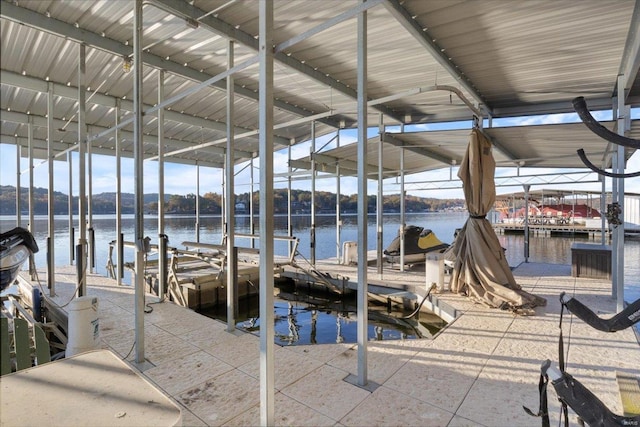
104, 178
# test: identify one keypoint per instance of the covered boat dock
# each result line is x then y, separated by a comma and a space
228, 83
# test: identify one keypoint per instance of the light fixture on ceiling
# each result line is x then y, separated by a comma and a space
126, 64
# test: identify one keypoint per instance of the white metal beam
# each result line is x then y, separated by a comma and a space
267, 334
162, 257
81, 258
138, 170
230, 196
281, 47
362, 312
51, 276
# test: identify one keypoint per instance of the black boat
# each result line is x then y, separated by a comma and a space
418, 242
16, 246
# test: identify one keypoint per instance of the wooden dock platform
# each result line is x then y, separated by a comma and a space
478, 371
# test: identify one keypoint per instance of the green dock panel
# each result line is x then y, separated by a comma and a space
43, 352
22, 342
5, 351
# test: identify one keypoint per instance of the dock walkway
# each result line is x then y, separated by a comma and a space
478, 371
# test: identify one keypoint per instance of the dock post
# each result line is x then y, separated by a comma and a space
70, 207
623, 113
51, 273
72, 237
229, 206
120, 257
362, 316
80, 271
265, 119
138, 156
162, 265
32, 229
92, 249
50, 266
18, 191
526, 222
312, 230
379, 198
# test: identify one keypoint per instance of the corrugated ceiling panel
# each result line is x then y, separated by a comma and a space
516, 53
531, 51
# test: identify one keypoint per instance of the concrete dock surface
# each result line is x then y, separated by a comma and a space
479, 371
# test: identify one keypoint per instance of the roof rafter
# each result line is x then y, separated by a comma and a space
40, 152
397, 142
409, 23
63, 29
71, 92
186, 10
327, 163
41, 121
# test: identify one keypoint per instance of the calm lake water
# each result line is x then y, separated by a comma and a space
292, 318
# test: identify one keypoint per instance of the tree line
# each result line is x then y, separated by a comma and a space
211, 203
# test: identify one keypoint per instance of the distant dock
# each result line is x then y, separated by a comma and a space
551, 229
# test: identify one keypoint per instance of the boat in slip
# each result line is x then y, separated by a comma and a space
16, 246
418, 242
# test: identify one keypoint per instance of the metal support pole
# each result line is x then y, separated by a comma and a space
51, 272
198, 202
18, 188
138, 155
603, 207
289, 219
119, 238
265, 97
121, 260
526, 222
91, 247
230, 197
402, 207
70, 207
622, 113
379, 198
614, 233
162, 238
338, 217
312, 240
163, 241
31, 195
82, 200
252, 226
362, 317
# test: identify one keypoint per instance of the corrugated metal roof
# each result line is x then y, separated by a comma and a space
548, 146
519, 57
